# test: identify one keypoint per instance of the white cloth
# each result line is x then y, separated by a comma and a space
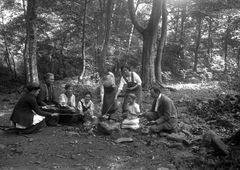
134, 110
36, 120
136, 78
65, 101
157, 103
89, 104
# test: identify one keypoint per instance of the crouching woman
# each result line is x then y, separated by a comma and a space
27, 116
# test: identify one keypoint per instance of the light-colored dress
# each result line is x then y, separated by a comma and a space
65, 101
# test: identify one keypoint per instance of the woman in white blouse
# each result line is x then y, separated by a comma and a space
67, 99
134, 85
67, 104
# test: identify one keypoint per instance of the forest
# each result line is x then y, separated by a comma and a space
189, 48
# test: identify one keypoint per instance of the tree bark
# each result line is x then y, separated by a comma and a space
161, 43
197, 43
32, 41
107, 35
83, 43
226, 45
149, 37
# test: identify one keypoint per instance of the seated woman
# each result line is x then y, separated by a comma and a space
85, 108
67, 105
26, 115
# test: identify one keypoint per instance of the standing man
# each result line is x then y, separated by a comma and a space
163, 114
46, 96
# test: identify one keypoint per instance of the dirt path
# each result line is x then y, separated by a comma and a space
69, 148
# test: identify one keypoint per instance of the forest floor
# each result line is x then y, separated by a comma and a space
70, 148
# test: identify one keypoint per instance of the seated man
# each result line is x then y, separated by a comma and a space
46, 96
163, 114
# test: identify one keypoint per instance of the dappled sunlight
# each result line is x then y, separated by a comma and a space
196, 86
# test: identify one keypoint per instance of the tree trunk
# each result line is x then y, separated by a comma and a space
226, 45
161, 43
238, 57
83, 43
197, 43
32, 41
183, 18
132, 29
149, 37
100, 31
176, 25
209, 41
107, 35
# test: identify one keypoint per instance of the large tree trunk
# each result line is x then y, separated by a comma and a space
149, 37
161, 43
83, 44
197, 43
107, 35
32, 41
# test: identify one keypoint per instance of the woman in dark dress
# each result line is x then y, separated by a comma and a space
27, 116
108, 92
134, 85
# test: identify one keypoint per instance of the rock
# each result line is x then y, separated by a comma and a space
2, 146
124, 140
219, 146
176, 145
72, 134
186, 142
175, 137
105, 128
209, 135
162, 168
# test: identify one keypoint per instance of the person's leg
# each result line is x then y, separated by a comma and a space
52, 120
32, 129
156, 128
151, 116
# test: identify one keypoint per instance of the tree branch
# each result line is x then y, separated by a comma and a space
132, 14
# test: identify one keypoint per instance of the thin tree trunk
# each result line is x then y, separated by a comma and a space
197, 43
226, 45
161, 43
132, 28
176, 25
209, 40
107, 35
183, 18
83, 43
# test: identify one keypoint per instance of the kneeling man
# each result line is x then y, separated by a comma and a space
163, 114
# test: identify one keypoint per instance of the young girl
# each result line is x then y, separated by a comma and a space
86, 107
67, 104
67, 99
133, 107
132, 120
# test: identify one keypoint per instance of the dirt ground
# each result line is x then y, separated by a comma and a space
70, 148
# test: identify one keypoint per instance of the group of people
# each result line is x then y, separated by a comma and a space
31, 111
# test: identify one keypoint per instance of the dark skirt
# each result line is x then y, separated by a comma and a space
109, 104
138, 92
32, 129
